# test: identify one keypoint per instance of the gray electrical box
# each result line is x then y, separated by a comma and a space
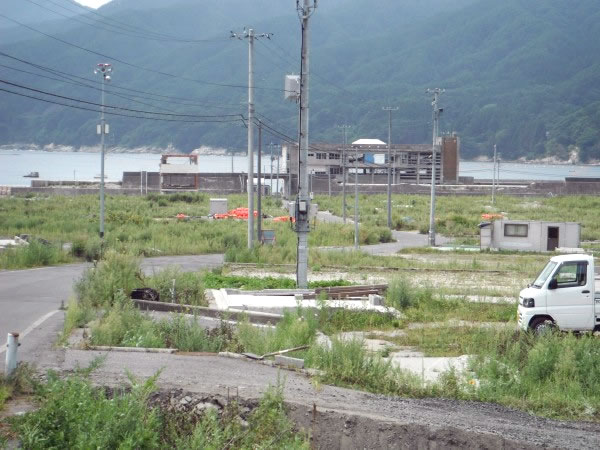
292, 88
218, 206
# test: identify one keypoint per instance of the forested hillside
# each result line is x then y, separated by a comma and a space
521, 74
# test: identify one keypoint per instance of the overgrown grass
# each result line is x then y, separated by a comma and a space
19, 382
33, 255
423, 304
75, 414
556, 375
459, 216
347, 363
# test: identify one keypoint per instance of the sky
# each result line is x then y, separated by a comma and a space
93, 3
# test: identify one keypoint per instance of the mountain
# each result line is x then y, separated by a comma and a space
518, 73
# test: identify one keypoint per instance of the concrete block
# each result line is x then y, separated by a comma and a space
218, 206
287, 361
376, 300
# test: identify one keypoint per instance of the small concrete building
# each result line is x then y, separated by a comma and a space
179, 177
529, 235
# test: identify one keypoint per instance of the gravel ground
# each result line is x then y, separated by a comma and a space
428, 422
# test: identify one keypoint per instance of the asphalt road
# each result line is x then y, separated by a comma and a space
29, 297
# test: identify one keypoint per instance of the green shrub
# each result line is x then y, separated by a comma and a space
124, 325
116, 273
400, 294
74, 414
33, 255
347, 363
189, 286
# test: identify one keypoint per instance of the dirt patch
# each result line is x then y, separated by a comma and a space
335, 430
330, 429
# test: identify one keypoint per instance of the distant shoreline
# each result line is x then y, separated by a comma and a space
224, 152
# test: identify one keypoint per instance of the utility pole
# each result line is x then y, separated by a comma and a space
303, 200
344, 128
356, 197
271, 168
104, 70
494, 179
278, 155
249, 34
436, 117
259, 187
389, 109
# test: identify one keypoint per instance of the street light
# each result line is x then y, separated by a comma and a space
104, 69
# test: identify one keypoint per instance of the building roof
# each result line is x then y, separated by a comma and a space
368, 142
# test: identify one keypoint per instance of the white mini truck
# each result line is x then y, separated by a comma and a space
563, 296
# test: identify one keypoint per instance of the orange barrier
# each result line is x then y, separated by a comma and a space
237, 213
284, 219
487, 216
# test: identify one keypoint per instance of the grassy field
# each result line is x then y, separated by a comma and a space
458, 216
147, 226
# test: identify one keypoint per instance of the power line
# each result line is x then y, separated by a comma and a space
136, 66
171, 98
39, 91
126, 26
115, 29
115, 113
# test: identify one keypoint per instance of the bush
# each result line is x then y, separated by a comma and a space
116, 273
400, 294
32, 255
189, 287
74, 414
124, 325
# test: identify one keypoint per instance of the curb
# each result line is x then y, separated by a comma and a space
254, 317
104, 348
308, 372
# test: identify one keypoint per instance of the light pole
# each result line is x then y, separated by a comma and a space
436, 117
104, 69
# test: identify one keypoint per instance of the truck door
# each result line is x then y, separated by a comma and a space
570, 296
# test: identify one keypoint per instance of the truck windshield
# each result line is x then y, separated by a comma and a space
544, 274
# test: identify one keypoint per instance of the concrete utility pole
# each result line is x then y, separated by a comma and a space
344, 128
259, 186
436, 117
303, 200
494, 179
104, 69
249, 34
389, 109
356, 197
278, 155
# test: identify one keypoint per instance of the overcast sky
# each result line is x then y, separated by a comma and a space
93, 3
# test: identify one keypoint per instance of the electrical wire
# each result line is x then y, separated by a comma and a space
63, 97
171, 98
107, 20
112, 113
136, 66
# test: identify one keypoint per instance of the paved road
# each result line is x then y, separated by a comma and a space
29, 296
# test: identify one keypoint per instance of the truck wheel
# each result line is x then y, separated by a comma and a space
542, 326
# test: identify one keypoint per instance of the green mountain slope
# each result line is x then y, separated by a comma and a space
518, 73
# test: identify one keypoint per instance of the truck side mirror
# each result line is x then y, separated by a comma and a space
553, 284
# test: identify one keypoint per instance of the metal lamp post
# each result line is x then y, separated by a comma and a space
104, 69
